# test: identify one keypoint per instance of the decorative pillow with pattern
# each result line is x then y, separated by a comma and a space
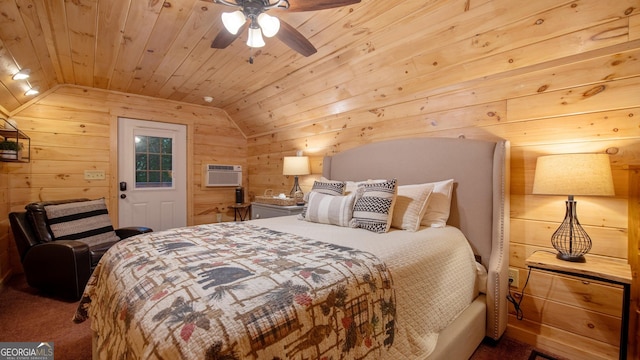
329, 209
411, 205
373, 209
323, 186
86, 221
329, 187
439, 204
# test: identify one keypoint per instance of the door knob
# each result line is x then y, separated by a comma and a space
123, 196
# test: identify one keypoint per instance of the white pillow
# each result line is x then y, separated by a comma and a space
373, 209
329, 209
439, 204
352, 186
411, 205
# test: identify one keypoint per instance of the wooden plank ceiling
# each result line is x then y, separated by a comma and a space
157, 48
367, 52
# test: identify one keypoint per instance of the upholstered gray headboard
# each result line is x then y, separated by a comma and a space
480, 204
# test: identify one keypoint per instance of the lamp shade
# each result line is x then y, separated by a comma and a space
296, 165
233, 21
573, 174
255, 39
269, 24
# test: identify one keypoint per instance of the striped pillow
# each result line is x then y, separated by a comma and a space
329, 209
323, 186
86, 221
373, 209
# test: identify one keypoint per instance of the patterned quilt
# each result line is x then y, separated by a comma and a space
238, 291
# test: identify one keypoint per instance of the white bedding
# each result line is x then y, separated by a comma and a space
433, 269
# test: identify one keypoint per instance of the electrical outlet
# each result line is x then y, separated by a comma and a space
514, 277
94, 175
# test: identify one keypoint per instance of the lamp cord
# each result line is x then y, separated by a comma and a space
512, 298
516, 299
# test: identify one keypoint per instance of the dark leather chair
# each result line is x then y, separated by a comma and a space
59, 267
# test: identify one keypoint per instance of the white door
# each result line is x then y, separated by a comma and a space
152, 171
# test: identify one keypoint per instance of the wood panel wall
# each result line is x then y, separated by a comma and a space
605, 129
572, 90
73, 129
570, 85
634, 250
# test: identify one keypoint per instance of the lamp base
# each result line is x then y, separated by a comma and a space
570, 240
296, 192
571, 258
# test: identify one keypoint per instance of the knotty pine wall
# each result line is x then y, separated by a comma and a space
574, 92
611, 125
582, 101
73, 129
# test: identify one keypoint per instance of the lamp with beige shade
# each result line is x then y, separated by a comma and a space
296, 165
573, 174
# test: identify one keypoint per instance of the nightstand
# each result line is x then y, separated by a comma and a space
595, 268
264, 211
240, 211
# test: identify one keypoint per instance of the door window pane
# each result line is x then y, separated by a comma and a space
154, 160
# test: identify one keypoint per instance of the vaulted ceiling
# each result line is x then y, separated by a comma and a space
370, 55
163, 49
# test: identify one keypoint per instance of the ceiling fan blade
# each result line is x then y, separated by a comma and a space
295, 40
313, 5
225, 38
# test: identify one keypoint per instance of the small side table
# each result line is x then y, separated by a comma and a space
241, 211
595, 268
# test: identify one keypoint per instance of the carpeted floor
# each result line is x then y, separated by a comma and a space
26, 315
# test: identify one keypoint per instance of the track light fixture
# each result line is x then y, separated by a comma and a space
22, 74
32, 91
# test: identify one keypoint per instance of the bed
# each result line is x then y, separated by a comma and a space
290, 288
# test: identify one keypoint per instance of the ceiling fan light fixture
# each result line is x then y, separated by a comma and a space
255, 39
233, 21
269, 24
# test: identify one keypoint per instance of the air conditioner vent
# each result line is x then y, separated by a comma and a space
224, 167
223, 175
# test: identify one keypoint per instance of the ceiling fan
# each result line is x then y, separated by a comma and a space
253, 13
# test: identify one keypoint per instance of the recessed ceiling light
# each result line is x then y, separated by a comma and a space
22, 74
207, 99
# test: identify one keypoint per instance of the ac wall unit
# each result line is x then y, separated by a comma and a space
223, 175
